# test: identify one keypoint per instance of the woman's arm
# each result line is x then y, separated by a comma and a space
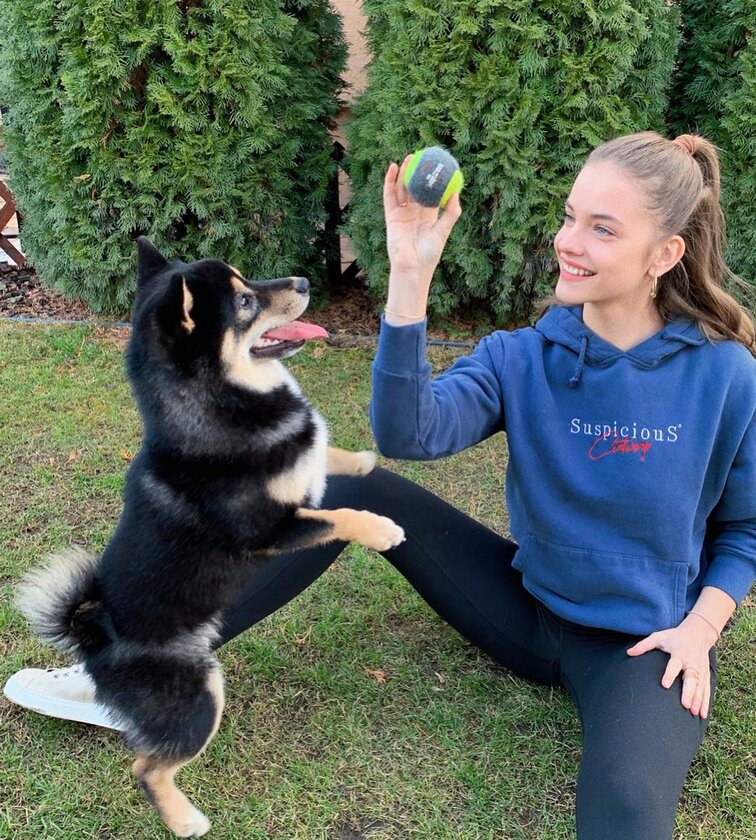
415, 240
731, 554
715, 607
419, 418
412, 416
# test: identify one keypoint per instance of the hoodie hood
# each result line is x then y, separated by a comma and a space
564, 325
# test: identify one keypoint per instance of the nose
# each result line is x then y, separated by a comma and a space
301, 285
568, 239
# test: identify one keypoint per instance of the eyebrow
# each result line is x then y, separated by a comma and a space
604, 216
237, 284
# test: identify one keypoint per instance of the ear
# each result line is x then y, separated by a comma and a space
175, 308
187, 302
150, 261
672, 251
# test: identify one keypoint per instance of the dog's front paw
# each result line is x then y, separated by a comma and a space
193, 823
364, 462
344, 462
384, 533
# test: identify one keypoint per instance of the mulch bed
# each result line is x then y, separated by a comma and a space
348, 314
22, 294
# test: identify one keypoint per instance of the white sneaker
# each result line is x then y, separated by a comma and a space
66, 693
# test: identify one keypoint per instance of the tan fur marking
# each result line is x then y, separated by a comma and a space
176, 811
247, 373
215, 687
239, 287
307, 476
362, 526
232, 357
292, 486
343, 462
186, 322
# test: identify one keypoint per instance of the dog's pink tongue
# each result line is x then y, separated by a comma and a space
296, 331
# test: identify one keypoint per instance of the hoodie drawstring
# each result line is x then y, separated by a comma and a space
573, 383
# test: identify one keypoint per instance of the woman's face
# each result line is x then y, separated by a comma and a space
606, 245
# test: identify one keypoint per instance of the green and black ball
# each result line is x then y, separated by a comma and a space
432, 177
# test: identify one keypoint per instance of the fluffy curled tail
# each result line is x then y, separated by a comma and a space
62, 602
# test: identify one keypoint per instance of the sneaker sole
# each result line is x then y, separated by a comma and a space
72, 710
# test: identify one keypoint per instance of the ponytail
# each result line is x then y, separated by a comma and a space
681, 178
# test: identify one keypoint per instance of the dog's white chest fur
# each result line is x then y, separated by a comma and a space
306, 479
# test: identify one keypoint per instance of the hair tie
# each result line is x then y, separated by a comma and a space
689, 142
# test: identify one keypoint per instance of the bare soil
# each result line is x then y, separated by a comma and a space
23, 295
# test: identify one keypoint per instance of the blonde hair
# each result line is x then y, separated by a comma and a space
681, 181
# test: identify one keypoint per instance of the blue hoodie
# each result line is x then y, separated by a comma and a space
631, 481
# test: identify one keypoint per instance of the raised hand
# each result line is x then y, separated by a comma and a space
416, 237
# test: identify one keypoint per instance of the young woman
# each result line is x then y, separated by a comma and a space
631, 484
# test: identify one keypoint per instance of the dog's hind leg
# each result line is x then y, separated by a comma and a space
155, 777
343, 462
155, 774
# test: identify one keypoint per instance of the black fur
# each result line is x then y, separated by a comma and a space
231, 453
198, 514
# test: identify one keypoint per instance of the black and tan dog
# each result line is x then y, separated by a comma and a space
232, 468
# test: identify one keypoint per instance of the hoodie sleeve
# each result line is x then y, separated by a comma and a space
419, 418
731, 537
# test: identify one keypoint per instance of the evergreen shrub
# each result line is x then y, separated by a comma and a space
714, 94
201, 123
520, 92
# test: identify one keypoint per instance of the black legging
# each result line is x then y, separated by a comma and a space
638, 740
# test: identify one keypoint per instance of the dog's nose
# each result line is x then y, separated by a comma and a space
301, 285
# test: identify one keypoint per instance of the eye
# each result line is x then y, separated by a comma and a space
246, 301
568, 217
600, 229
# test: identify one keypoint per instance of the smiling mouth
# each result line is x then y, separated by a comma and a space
285, 339
575, 272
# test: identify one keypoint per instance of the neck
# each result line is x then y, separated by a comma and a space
621, 325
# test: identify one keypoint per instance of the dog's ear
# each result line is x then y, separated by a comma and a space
150, 261
175, 308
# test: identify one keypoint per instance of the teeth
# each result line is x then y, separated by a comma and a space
266, 342
578, 272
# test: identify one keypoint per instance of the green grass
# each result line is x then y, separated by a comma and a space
312, 747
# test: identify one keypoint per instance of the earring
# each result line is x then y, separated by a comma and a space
654, 286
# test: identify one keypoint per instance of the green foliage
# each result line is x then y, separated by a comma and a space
520, 92
202, 123
715, 95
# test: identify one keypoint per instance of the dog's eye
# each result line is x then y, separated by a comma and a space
246, 301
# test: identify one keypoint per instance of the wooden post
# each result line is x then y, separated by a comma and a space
334, 217
333, 221
6, 214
